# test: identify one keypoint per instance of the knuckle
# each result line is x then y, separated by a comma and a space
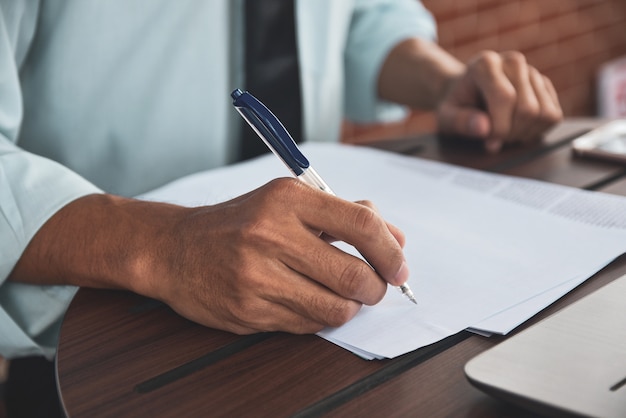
377, 298
254, 230
367, 204
248, 274
550, 114
282, 187
534, 73
487, 59
505, 96
339, 312
553, 114
366, 220
247, 315
529, 110
352, 277
515, 58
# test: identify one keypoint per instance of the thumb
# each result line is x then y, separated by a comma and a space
468, 122
464, 121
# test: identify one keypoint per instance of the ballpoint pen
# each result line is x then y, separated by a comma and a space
278, 140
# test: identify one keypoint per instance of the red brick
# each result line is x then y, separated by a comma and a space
460, 29
603, 13
465, 7
483, 5
576, 101
522, 38
441, 9
467, 51
543, 57
550, 9
508, 14
572, 49
611, 36
570, 24
530, 12
488, 23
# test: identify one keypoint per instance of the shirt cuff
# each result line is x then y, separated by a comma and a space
32, 189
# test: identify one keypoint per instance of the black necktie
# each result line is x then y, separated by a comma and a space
271, 66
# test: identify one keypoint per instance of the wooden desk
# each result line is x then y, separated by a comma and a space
124, 355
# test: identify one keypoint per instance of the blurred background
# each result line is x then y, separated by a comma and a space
567, 40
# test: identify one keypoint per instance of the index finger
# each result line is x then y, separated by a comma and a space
497, 91
361, 227
395, 231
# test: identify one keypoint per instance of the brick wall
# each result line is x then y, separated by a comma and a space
568, 40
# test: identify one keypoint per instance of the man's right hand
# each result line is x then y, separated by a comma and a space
255, 263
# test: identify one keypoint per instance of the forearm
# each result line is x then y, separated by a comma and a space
98, 241
246, 265
417, 73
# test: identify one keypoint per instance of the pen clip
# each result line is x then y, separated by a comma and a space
270, 129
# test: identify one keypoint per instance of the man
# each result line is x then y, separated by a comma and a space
126, 96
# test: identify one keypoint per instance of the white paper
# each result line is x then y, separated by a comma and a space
479, 245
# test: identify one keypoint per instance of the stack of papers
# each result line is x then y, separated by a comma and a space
486, 251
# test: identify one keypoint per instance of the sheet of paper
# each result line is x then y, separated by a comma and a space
479, 245
504, 322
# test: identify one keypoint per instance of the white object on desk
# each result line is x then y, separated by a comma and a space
612, 89
571, 362
484, 250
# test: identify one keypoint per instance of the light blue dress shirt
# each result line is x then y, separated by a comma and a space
125, 95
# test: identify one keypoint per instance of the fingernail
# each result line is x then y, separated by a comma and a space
402, 275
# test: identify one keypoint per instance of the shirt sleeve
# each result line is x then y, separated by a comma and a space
376, 27
32, 189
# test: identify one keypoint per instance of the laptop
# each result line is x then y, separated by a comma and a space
571, 363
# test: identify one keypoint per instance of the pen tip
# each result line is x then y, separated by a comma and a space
406, 291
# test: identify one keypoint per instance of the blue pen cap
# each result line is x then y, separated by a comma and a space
271, 130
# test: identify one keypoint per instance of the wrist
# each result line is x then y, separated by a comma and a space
99, 241
418, 73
